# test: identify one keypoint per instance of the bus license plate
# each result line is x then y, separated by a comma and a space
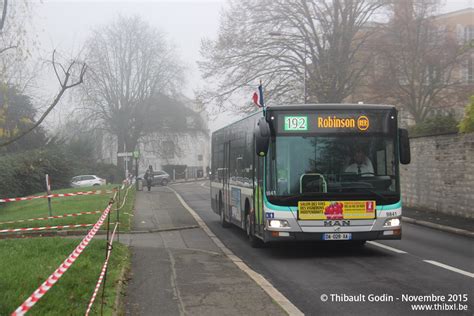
337, 236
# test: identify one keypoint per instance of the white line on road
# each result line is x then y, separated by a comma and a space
285, 304
442, 265
386, 247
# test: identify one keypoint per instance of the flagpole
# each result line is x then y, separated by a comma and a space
262, 100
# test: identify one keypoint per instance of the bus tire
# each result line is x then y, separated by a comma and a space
255, 242
224, 222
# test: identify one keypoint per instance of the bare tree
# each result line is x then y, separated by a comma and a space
15, 45
14, 50
293, 46
130, 63
68, 77
417, 60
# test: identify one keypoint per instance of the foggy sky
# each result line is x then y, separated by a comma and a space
66, 24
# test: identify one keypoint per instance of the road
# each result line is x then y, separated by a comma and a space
385, 270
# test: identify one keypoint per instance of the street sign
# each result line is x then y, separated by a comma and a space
125, 154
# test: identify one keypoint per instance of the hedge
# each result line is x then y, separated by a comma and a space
22, 174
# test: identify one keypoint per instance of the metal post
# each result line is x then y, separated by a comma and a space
136, 174
126, 167
48, 190
117, 210
108, 230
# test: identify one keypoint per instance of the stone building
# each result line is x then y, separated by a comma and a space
181, 148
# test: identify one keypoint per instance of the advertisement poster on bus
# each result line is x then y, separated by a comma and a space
322, 210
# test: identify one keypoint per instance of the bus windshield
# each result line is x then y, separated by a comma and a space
332, 167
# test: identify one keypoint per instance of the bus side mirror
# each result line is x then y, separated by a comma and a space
404, 143
262, 137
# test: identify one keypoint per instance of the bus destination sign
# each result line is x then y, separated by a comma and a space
330, 122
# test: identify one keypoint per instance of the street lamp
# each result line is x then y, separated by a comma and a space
304, 62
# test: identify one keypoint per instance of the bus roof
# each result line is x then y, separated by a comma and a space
315, 106
332, 106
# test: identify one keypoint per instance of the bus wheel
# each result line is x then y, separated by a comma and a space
224, 222
254, 241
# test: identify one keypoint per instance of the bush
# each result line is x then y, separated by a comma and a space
435, 125
467, 123
23, 173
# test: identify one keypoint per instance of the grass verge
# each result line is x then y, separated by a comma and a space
65, 205
26, 263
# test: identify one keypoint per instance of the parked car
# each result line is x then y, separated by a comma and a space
160, 177
87, 181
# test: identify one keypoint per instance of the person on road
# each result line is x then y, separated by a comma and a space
149, 177
361, 164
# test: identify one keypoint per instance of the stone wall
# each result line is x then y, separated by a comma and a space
440, 176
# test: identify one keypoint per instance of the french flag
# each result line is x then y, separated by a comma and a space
258, 97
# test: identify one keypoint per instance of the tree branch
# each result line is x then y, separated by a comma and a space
64, 86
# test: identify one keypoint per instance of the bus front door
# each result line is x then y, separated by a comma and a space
258, 198
226, 180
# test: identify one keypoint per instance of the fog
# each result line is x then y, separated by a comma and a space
65, 25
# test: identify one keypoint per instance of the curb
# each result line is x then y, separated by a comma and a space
449, 229
190, 180
163, 229
123, 279
275, 295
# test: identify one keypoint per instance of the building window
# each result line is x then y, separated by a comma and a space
199, 157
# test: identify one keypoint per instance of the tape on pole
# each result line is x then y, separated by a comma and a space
53, 278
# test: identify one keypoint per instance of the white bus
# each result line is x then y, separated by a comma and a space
311, 172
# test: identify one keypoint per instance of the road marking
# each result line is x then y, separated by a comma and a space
442, 265
204, 185
386, 247
281, 300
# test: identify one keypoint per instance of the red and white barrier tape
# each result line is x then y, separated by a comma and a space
102, 272
125, 197
51, 217
13, 230
27, 198
53, 278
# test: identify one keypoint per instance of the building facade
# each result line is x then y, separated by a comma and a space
183, 152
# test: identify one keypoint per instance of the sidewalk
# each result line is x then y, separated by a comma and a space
177, 269
450, 223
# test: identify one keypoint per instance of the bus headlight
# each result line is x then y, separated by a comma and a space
276, 223
392, 222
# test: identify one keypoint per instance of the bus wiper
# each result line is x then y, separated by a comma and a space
289, 197
367, 190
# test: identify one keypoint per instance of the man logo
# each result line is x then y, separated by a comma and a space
363, 123
336, 223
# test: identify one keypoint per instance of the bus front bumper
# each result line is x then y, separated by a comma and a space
276, 236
